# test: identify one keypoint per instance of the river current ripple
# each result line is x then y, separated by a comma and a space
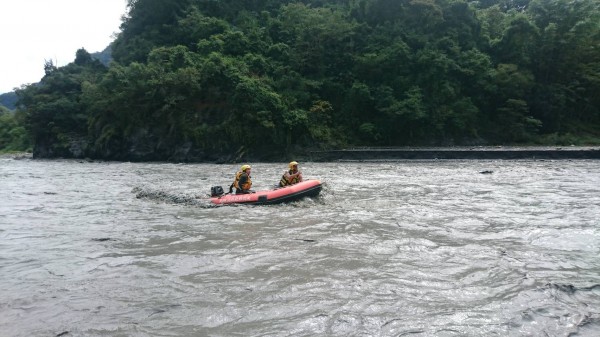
418, 248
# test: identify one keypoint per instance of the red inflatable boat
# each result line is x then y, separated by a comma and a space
307, 188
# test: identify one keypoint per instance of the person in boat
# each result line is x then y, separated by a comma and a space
292, 176
242, 182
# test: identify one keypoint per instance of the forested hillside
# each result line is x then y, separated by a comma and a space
228, 79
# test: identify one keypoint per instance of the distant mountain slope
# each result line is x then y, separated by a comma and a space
9, 100
105, 56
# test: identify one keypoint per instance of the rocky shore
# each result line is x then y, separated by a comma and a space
412, 153
478, 152
17, 155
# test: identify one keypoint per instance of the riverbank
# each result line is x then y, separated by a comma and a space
410, 153
17, 155
477, 152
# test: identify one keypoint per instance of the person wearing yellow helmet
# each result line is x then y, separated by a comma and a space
242, 182
292, 176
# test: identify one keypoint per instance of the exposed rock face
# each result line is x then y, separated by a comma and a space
69, 146
141, 146
78, 147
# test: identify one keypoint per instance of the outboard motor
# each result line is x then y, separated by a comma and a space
216, 191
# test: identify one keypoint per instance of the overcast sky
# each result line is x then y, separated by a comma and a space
32, 31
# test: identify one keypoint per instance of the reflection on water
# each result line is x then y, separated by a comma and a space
420, 248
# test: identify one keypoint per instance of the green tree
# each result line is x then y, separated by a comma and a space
225, 79
13, 136
566, 66
53, 112
148, 24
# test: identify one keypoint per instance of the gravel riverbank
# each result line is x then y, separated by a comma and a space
478, 152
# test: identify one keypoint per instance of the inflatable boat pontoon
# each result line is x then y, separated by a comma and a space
307, 188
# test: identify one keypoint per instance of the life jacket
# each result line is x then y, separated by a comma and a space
285, 182
236, 184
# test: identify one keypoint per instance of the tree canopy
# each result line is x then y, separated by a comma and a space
212, 80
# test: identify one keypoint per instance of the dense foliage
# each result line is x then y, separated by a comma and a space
13, 136
206, 79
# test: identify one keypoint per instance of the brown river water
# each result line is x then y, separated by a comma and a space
406, 248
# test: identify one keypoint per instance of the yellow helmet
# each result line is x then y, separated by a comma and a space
292, 164
245, 167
